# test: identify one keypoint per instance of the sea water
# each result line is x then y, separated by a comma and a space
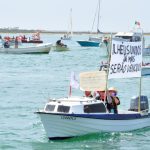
28, 81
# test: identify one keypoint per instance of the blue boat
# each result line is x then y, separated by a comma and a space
89, 43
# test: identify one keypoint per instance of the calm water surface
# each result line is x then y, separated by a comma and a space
26, 83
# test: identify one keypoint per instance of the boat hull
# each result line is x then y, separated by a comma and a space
145, 70
60, 126
60, 48
146, 51
41, 48
88, 43
32, 41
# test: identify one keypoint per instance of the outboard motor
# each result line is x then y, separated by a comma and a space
134, 103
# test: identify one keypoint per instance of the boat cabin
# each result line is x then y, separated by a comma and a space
128, 36
74, 105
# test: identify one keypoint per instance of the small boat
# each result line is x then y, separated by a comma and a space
88, 43
35, 38
31, 41
66, 37
60, 48
96, 40
40, 48
76, 116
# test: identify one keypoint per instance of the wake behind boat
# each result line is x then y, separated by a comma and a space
37, 49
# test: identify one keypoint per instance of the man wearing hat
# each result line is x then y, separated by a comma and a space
100, 94
112, 100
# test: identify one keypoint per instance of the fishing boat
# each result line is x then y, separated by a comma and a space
31, 41
60, 48
93, 41
87, 43
35, 38
37, 49
76, 116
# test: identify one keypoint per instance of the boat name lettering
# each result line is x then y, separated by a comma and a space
68, 117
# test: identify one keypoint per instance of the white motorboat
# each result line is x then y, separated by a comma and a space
39, 48
75, 116
60, 48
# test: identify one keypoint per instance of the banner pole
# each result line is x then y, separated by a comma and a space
140, 86
109, 57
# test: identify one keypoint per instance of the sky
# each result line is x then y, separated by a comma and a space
115, 15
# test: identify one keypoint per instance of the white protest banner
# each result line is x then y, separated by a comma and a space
126, 59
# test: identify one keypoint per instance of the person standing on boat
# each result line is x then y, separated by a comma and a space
6, 44
16, 42
100, 95
112, 100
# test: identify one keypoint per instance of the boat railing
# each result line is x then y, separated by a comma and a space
71, 100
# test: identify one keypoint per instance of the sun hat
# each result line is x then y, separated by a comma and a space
102, 89
112, 89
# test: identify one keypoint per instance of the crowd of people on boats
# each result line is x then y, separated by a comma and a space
109, 97
7, 41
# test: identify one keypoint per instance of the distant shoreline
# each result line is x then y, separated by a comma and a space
53, 32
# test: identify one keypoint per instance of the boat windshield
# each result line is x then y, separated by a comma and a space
95, 108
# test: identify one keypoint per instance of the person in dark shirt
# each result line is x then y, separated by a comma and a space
112, 100
6, 44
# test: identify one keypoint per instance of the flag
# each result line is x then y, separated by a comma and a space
137, 23
73, 83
